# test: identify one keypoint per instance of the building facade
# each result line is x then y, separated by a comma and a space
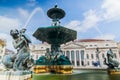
38, 50
82, 53
87, 52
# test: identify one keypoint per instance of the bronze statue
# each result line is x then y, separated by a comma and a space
110, 61
22, 60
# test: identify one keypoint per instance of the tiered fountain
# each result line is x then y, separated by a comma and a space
54, 61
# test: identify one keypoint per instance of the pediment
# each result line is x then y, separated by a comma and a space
72, 46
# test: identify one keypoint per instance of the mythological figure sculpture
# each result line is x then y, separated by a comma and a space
111, 62
22, 60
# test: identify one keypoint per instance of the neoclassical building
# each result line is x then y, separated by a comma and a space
38, 50
86, 52
2, 48
82, 53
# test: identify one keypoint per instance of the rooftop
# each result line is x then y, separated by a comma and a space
90, 40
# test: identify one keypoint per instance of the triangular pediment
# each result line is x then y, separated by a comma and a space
72, 46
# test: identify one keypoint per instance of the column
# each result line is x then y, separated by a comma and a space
75, 59
70, 55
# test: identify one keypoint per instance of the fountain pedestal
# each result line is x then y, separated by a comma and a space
15, 75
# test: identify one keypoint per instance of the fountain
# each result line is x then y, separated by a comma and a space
54, 61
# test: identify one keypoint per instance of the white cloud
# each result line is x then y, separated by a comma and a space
75, 24
32, 3
8, 40
23, 13
90, 21
106, 37
111, 9
6, 24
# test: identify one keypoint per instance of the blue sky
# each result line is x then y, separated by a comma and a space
91, 18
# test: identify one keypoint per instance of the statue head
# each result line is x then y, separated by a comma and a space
14, 33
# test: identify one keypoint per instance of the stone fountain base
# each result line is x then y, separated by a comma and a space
15, 75
63, 69
113, 71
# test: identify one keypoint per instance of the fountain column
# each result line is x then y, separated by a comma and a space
55, 35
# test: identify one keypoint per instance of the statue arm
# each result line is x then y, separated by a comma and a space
16, 45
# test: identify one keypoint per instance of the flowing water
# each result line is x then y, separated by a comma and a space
32, 14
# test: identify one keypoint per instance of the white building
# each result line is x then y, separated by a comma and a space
38, 50
82, 53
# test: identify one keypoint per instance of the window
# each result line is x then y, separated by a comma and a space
107, 45
86, 45
97, 55
82, 63
92, 62
103, 56
87, 56
72, 57
90, 45
77, 57
82, 54
115, 55
92, 56
36, 56
95, 45
68, 54
88, 63
119, 54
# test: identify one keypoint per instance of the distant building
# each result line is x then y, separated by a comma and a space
2, 48
82, 53
119, 48
38, 50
